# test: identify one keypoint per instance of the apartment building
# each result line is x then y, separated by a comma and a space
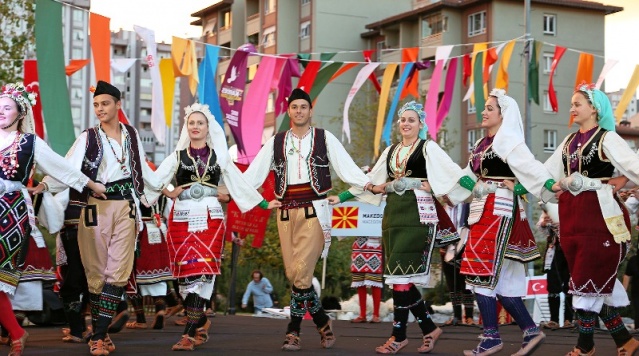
296, 26
575, 24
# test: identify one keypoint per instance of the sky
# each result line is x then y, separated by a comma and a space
172, 18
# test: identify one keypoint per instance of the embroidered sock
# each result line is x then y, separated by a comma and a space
294, 325
614, 324
194, 305
377, 298
586, 326
419, 311
138, 308
488, 310
516, 308
401, 303
108, 303
456, 300
468, 300
94, 307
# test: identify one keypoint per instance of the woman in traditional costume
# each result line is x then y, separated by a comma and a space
500, 241
594, 223
205, 175
20, 150
414, 222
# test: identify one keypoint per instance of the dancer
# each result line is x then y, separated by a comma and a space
205, 175
414, 222
20, 150
301, 159
594, 224
500, 240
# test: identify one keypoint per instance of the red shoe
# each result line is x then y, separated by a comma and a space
359, 319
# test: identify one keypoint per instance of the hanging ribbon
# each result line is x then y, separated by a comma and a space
304, 59
322, 79
75, 65
476, 71
168, 88
345, 68
254, 110
604, 72
502, 74
207, 88
444, 107
360, 79
185, 61
533, 72
628, 94
478, 83
31, 81
387, 80
584, 72
388, 125
441, 56
367, 57
122, 65
291, 69
411, 87
308, 76
100, 39
468, 69
552, 96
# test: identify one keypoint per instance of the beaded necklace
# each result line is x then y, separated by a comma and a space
298, 149
120, 161
400, 166
9, 162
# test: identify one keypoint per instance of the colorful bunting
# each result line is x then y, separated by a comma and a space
185, 61
168, 88
387, 80
367, 57
31, 81
207, 88
411, 87
533, 72
441, 57
552, 96
502, 74
100, 38
75, 65
478, 85
388, 124
363, 74
628, 94
610, 63
449, 89
584, 72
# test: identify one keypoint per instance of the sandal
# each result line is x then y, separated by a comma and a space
375, 320
186, 343
359, 319
577, 352
629, 348
170, 311
135, 325
181, 322
552, 325
391, 346
292, 342
428, 341
108, 343
202, 334
327, 337
17, 346
97, 348
158, 322
4, 340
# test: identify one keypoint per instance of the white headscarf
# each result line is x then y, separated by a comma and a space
511, 131
216, 139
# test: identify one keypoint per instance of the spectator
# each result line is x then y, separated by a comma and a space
261, 289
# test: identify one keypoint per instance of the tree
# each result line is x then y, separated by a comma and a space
17, 20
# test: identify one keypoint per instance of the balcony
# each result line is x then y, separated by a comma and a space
253, 24
429, 43
224, 35
391, 56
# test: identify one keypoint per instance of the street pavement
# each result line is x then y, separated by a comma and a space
247, 335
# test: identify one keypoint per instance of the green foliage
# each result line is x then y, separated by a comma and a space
17, 21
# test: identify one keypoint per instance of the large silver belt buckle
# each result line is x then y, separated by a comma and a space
399, 185
196, 191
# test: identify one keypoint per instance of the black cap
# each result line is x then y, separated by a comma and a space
106, 88
298, 93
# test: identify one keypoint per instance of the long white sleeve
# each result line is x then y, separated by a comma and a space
343, 164
258, 170
621, 156
531, 173
57, 167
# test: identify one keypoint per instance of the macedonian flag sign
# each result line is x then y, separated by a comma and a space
345, 217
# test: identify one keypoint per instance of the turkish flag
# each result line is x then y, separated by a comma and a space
537, 286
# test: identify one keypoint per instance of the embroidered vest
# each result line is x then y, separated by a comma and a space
24, 155
317, 163
187, 170
415, 165
94, 152
492, 166
593, 163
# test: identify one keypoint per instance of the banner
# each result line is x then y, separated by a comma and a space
628, 94
291, 69
552, 96
122, 65
51, 76
207, 88
367, 57
31, 81
449, 90
604, 72
254, 110
254, 221
388, 124
168, 88
323, 77
354, 218
533, 72
584, 74
478, 84
232, 92
411, 86
477, 49
185, 61
502, 74
100, 39
360, 79
75, 65
308, 76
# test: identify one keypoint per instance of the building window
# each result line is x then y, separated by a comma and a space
379, 50
225, 18
550, 140
470, 107
269, 6
547, 106
268, 38
434, 24
550, 24
477, 23
78, 16
473, 136
548, 57
305, 29
304, 2
211, 27
253, 39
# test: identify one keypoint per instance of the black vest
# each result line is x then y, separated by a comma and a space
24, 156
491, 165
416, 164
94, 152
187, 171
317, 163
593, 164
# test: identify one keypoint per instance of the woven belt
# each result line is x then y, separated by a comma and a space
198, 192
9, 186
